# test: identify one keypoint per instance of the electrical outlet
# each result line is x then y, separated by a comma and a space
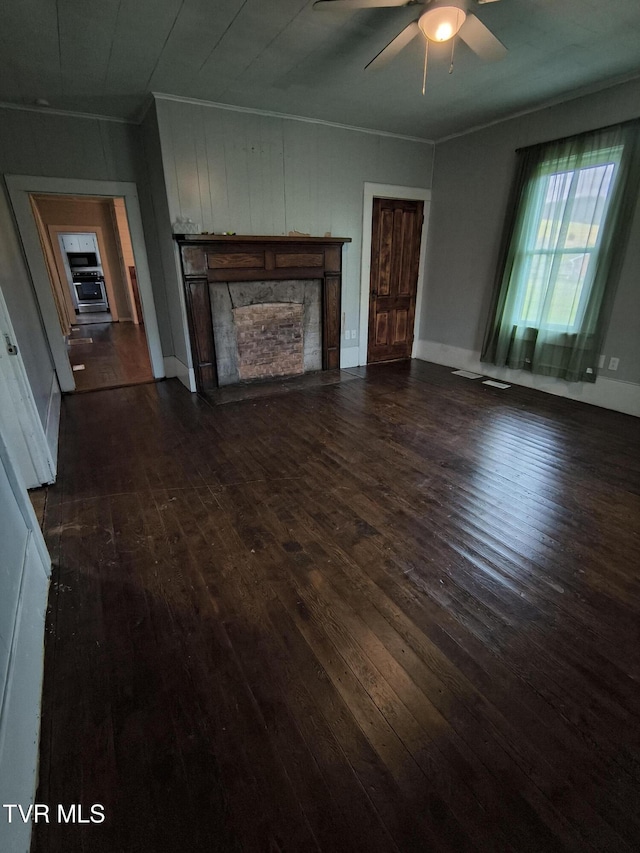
353, 334
601, 362
347, 335
613, 363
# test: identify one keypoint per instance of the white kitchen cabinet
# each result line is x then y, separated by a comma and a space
87, 243
80, 242
71, 242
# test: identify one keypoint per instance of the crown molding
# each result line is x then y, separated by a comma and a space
575, 95
161, 96
6, 105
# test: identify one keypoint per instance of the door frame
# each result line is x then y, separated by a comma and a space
20, 187
372, 191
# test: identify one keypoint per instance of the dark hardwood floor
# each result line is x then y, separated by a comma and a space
112, 354
398, 613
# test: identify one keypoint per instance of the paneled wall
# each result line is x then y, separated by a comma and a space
471, 184
255, 174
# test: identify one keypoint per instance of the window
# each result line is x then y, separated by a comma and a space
569, 210
565, 236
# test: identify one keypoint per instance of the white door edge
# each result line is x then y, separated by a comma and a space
29, 447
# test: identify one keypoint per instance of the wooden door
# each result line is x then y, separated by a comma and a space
395, 254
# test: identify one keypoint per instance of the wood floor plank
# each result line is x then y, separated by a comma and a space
395, 613
281, 696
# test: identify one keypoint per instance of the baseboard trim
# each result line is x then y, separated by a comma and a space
349, 357
604, 392
174, 367
52, 427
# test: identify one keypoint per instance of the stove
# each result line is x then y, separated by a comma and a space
89, 290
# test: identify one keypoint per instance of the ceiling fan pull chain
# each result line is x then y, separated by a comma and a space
426, 56
453, 40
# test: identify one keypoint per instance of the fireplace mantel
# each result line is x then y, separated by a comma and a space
207, 258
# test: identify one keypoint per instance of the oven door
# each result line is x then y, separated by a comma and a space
91, 295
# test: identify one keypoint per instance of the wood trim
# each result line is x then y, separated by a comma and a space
214, 258
57, 274
255, 240
203, 350
120, 226
135, 292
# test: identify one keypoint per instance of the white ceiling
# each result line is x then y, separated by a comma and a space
106, 56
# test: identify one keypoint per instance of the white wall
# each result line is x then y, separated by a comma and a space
472, 179
259, 174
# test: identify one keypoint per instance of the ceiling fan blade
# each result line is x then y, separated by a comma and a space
481, 40
344, 5
394, 47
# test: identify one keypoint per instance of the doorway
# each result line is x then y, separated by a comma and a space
389, 320
88, 252
20, 188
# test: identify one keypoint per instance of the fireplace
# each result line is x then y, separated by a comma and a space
261, 307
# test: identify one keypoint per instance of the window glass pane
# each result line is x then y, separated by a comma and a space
589, 206
570, 209
552, 213
539, 269
566, 297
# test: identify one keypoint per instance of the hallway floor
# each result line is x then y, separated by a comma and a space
395, 614
112, 354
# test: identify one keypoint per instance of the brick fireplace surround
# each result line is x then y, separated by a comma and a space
207, 259
269, 340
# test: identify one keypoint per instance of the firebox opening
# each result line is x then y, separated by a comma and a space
266, 329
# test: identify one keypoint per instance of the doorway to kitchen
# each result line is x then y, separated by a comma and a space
89, 257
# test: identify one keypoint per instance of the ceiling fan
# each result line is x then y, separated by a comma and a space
440, 22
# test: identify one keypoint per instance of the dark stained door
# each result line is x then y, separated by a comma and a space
395, 254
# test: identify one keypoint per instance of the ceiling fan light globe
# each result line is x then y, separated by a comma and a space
444, 31
441, 23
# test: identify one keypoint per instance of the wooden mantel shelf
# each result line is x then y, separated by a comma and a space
209, 258
250, 238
